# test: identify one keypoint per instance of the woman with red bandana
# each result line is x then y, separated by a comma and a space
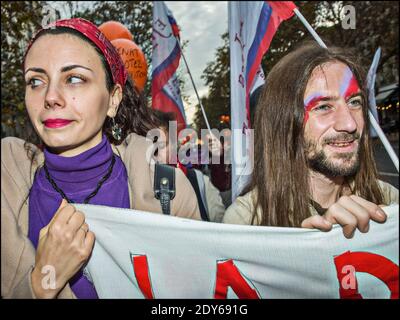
92, 122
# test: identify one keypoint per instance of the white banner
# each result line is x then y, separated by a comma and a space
243, 19
252, 25
146, 255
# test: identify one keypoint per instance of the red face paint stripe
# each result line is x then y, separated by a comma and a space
309, 107
352, 88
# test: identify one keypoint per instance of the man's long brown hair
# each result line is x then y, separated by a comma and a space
281, 185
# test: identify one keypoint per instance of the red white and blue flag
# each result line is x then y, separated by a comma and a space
165, 91
252, 26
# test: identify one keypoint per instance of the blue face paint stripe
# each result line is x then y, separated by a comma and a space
345, 81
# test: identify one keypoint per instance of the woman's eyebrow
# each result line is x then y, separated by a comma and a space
35, 70
63, 69
68, 68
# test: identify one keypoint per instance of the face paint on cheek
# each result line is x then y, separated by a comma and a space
349, 84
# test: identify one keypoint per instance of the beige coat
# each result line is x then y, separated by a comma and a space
241, 211
17, 251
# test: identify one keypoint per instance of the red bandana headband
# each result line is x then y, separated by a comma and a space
90, 31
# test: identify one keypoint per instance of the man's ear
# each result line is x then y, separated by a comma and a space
115, 100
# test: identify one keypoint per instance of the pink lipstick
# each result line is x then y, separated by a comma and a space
56, 123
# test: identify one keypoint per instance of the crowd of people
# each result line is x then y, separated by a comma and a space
313, 163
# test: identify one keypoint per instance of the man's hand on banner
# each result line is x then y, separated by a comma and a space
351, 212
65, 244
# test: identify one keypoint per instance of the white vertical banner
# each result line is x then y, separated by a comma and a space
241, 32
252, 25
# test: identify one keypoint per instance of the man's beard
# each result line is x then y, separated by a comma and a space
319, 161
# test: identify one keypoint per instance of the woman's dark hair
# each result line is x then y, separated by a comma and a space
281, 182
133, 114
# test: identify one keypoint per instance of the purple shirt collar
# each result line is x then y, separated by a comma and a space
92, 163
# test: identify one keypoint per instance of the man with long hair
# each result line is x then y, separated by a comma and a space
313, 162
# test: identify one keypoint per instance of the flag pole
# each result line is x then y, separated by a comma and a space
194, 86
374, 123
309, 28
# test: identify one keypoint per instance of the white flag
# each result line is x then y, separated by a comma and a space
252, 26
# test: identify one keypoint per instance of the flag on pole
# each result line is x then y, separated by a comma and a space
252, 26
166, 95
371, 88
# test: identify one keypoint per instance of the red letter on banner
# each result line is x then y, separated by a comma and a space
228, 275
141, 270
374, 264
